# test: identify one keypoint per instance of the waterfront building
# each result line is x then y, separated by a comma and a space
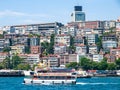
78, 15
97, 57
64, 59
31, 59
53, 60
67, 58
73, 58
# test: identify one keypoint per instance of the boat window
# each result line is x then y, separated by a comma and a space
73, 73
51, 77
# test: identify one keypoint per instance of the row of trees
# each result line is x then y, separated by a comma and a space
88, 64
15, 63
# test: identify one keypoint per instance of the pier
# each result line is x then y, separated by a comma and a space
11, 73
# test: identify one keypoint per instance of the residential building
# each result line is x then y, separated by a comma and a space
79, 40
64, 59
109, 44
81, 49
35, 49
68, 30
93, 49
109, 37
53, 60
60, 48
65, 39
92, 38
97, 57
45, 39
34, 41
3, 55
18, 49
2, 43
109, 24
94, 25
73, 58
31, 59
118, 32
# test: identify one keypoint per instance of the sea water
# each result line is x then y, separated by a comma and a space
95, 83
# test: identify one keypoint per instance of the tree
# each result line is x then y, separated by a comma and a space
72, 65
23, 67
1, 65
99, 43
16, 60
71, 47
118, 63
85, 63
27, 49
7, 63
95, 65
112, 66
6, 49
51, 45
103, 64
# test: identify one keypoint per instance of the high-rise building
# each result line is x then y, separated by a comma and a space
78, 15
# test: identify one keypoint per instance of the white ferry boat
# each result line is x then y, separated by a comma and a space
43, 74
51, 76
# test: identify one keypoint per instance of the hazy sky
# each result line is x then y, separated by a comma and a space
14, 12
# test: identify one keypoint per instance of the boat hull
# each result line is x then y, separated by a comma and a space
46, 82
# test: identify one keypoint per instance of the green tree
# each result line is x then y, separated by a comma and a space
27, 49
7, 63
72, 65
1, 65
6, 49
85, 63
71, 47
23, 67
16, 60
118, 63
95, 65
103, 64
99, 43
112, 66
51, 45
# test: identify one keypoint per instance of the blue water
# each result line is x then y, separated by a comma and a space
96, 83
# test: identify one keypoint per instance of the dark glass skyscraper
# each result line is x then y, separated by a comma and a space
78, 15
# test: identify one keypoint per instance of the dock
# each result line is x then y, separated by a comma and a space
11, 73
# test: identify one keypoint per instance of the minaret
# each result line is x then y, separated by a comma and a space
78, 15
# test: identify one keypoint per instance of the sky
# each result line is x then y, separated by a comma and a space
15, 12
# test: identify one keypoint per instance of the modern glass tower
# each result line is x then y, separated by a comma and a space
78, 15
